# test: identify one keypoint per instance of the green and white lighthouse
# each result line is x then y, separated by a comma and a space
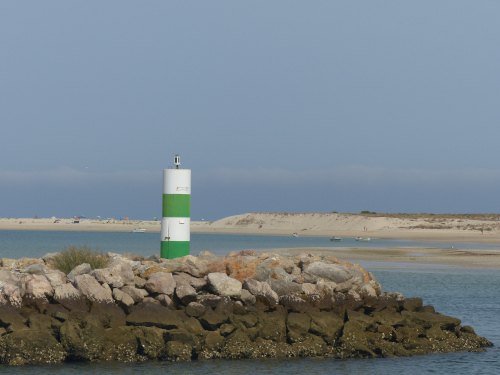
176, 212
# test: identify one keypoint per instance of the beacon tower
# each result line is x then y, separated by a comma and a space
176, 212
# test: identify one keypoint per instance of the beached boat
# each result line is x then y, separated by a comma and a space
336, 239
363, 238
138, 230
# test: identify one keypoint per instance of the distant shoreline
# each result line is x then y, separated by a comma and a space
444, 228
321, 225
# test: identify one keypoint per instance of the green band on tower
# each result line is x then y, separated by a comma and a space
176, 212
176, 205
174, 249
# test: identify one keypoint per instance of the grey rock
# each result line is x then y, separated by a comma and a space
248, 298
197, 283
139, 282
11, 293
49, 257
92, 290
185, 292
38, 286
123, 299
82, 269
283, 288
262, 291
9, 277
36, 269
165, 301
152, 258
207, 255
337, 273
366, 291
56, 278
106, 276
195, 309
137, 294
222, 284
70, 297
161, 283
194, 266
122, 268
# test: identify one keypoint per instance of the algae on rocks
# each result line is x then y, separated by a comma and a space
241, 306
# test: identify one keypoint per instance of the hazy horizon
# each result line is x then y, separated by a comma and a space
280, 106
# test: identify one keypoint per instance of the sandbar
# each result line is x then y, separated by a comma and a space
478, 228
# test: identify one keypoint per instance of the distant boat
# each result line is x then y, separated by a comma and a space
139, 230
295, 234
336, 239
363, 239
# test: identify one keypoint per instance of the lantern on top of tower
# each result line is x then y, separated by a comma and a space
177, 161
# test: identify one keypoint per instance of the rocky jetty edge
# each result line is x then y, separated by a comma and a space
241, 306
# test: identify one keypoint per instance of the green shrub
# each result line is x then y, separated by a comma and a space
72, 256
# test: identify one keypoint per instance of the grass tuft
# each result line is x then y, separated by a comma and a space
72, 256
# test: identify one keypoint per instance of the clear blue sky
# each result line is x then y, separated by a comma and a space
275, 106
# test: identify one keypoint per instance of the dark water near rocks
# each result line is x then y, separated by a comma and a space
472, 295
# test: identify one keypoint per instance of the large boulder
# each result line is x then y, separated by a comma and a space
337, 273
137, 294
184, 291
81, 269
152, 315
11, 294
123, 268
262, 291
82, 337
37, 291
222, 284
151, 342
107, 276
194, 266
70, 297
10, 277
92, 289
31, 347
11, 319
120, 344
161, 283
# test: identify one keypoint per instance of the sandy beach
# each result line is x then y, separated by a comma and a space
477, 228
433, 228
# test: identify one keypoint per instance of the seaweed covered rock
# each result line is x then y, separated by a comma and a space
241, 306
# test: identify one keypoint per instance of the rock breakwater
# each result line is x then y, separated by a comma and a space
241, 306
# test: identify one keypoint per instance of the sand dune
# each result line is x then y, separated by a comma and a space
480, 228
455, 228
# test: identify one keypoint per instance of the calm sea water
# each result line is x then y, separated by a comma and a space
24, 243
470, 295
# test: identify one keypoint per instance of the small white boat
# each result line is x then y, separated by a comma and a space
363, 239
295, 234
138, 230
336, 239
